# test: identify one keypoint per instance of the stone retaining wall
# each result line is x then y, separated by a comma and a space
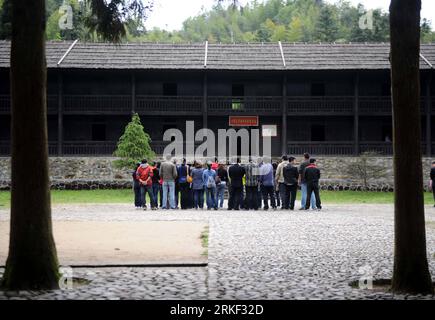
77, 173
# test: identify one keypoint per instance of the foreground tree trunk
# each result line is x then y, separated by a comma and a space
32, 261
411, 272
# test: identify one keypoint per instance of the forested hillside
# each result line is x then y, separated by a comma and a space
227, 21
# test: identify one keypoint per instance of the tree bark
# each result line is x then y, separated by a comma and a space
411, 273
32, 260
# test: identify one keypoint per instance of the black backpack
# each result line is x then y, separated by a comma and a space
290, 174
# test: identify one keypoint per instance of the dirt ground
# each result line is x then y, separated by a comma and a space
122, 242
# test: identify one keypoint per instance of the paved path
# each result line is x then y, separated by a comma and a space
254, 255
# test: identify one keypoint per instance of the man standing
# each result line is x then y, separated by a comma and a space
251, 185
209, 180
168, 173
183, 185
432, 180
279, 179
236, 173
303, 183
267, 184
312, 177
291, 175
144, 175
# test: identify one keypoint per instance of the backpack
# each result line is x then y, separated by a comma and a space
211, 183
288, 173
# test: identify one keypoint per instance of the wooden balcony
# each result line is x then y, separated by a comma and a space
321, 147
303, 105
372, 105
97, 104
257, 105
5, 148
5, 104
162, 105
89, 148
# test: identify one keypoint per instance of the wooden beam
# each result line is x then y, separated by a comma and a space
356, 116
133, 93
428, 115
60, 115
204, 101
284, 116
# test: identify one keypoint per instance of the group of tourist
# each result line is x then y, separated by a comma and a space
251, 186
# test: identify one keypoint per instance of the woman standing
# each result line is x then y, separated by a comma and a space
157, 187
197, 186
221, 183
209, 178
136, 188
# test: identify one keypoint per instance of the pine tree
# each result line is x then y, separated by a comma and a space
134, 144
327, 25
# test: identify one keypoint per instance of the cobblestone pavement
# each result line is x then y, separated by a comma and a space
254, 255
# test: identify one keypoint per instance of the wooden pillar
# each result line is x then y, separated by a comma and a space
284, 116
204, 102
356, 116
428, 116
60, 115
133, 93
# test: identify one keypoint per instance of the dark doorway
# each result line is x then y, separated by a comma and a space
317, 89
385, 89
238, 90
170, 89
317, 132
98, 132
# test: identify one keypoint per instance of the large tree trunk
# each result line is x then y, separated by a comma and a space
32, 261
411, 272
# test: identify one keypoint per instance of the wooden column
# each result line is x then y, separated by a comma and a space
59, 115
356, 116
284, 116
133, 93
428, 115
204, 102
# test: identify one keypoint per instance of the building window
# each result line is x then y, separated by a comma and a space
98, 132
238, 91
317, 89
317, 132
170, 89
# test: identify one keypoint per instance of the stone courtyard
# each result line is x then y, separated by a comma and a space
252, 255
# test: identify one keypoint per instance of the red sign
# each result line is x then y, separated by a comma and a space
243, 121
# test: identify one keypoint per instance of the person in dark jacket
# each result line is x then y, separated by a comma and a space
183, 185
136, 188
291, 175
312, 177
432, 179
236, 173
222, 182
157, 187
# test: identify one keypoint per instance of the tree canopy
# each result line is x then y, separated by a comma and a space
227, 21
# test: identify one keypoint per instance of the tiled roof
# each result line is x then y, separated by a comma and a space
256, 56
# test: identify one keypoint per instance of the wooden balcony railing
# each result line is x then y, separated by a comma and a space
82, 104
251, 104
165, 104
321, 147
89, 148
379, 104
5, 104
385, 148
5, 148
324, 105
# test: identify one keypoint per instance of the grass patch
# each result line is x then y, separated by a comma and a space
204, 241
126, 196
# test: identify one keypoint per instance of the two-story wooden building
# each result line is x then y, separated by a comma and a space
326, 99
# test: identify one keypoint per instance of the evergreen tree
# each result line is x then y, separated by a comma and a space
134, 144
327, 25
